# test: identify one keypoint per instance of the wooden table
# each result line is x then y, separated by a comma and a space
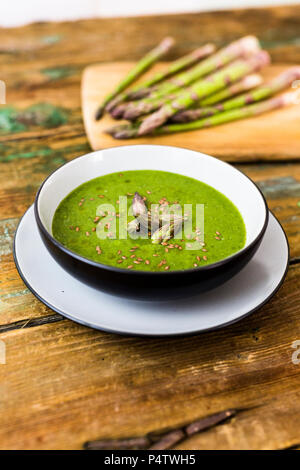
64, 384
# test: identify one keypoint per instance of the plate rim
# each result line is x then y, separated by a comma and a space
149, 335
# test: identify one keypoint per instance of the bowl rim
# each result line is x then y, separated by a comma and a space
116, 269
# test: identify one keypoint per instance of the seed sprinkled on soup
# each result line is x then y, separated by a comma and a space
149, 221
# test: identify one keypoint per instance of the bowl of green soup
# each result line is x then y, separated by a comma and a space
150, 222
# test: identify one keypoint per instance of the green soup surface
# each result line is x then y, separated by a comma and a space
78, 215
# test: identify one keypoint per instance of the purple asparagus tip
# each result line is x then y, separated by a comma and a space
207, 49
167, 43
152, 122
131, 113
261, 59
117, 113
249, 45
138, 94
112, 104
99, 113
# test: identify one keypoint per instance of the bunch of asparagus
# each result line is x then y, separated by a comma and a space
202, 89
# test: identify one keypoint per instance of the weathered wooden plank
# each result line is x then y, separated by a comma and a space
62, 44
84, 384
281, 187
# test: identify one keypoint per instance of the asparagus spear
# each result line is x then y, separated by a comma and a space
241, 48
143, 89
203, 88
167, 231
138, 205
247, 83
146, 62
279, 83
144, 219
128, 131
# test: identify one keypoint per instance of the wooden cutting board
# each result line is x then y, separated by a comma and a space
274, 135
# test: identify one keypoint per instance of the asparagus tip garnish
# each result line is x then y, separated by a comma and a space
138, 205
167, 231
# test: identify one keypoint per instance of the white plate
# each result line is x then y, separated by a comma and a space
240, 296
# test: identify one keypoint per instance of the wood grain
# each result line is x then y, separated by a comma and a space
273, 135
84, 384
63, 384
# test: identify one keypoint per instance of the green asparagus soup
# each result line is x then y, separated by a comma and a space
128, 220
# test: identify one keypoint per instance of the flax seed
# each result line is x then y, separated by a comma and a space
94, 229
132, 256
129, 267
120, 261
195, 265
77, 229
198, 258
96, 219
167, 250
205, 258
167, 267
119, 252
147, 261
136, 262
124, 257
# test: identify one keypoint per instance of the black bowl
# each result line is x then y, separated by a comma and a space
145, 285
